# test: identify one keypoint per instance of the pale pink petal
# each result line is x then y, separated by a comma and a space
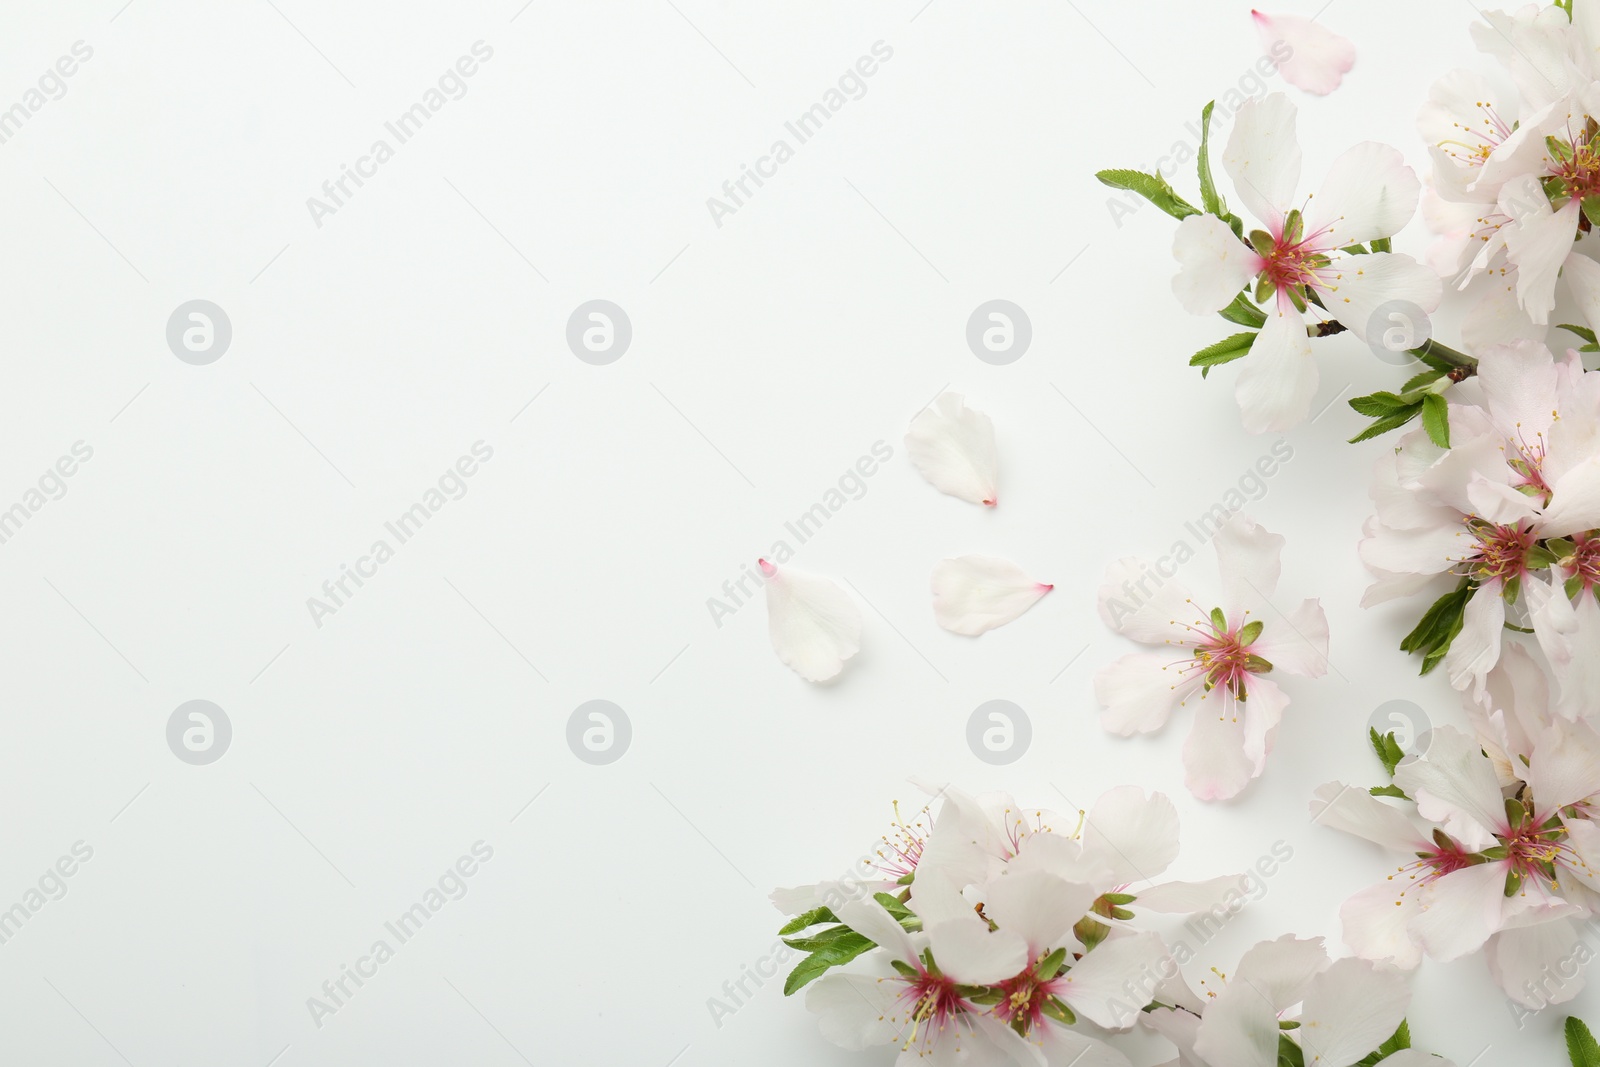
1460, 910
1260, 714
1583, 280
1495, 316
1298, 642
1213, 264
1248, 560
1134, 834
1569, 634
1564, 768
1377, 922
1519, 386
953, 446
1317, 58
1365, 284
1239, 1028
1138, 602
1369, 193
975, 594
1574, 501
1139, 691
1096, 987
1535, 965
1263, 157
1455, 780
1214, 761
1350, 1009
1278, 377
814, 624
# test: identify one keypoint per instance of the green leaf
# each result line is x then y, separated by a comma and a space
1439, 626
1582, 331
1244, 312
1382, 244
1399, 1041
1152, 187
1591, 209
1422, 381
1289, 1054
1389, 791
819, 940
1224, 351
814, 917
1377, 405
1208, 186
814, 966
1436, 419
894, 906
1581, 1044
1387, 423
1388, 751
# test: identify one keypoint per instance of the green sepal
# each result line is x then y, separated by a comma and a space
1251, 631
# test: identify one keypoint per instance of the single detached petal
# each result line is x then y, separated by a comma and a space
1316, 59
1350, 1009
1263, 157
953, 446
814, 624
1213, 264
974, 594
1278, 377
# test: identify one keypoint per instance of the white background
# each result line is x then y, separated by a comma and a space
767, 356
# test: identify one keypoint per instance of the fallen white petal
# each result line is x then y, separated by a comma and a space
814, 624
974, 594
953, 446
1317, 59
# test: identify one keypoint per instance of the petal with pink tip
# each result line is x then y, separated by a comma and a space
975, 594
814, 624
953, 446
1310, 56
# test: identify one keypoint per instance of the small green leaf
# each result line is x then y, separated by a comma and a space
1581, 1045
1436, 419
817, 964
1244, 312
1208, 186
1387, 423
1389, 752
1421, 381
814, 917
1224, 351
1389, 791
1439, 626
1582, 331
1377, 405
1152, 187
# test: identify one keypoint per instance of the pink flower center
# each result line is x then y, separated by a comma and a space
1025, 998
1585, 562
1577, 163
932, 1005
1222, 653
1295, 262
1501, 551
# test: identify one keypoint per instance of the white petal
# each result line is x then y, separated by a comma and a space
1248, 559
1134, 834
1537, 248
1569, 634
1454, 780
1139, 691
975, 594
1278, 377
814, 624
1369, 193
1519, 386
855, 1010
1214, 761
1038, 907
1458, 912
1377, 922
1260, 715
1263, 157
1350, 1009
1534, 964
1583, 279
953, 446
1138, 603
1564, 768
1355, 811
1239, 1028
1496, 316
1476, 648
1097, 986
968, 951
1186, 898
872, 921
1365, 284
1574, 501
1296, 643
1213, 264
1281, 970
1317, 59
